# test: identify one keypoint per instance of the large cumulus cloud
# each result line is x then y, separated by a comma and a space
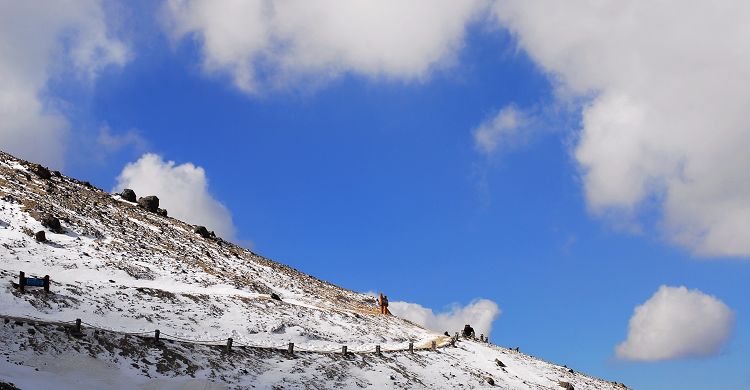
262, 44
665, 120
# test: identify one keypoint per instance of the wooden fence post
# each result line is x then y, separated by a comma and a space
343, 350
78, 325
411, 347
377, 349
290, 349
156, 336
46, 284
21, 280
229, 344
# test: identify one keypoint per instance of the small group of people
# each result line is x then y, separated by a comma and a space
383, 303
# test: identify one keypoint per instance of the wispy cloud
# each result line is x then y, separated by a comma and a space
66, 38
506, 129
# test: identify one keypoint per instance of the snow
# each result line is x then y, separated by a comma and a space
122, 269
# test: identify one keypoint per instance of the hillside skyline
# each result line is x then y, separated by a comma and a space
570, 178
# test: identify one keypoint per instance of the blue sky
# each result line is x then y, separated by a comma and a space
367, 171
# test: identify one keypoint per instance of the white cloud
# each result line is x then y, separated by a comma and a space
320, 39
37, 42
182, 190
666, 118
480, 314
676, 323
506, 129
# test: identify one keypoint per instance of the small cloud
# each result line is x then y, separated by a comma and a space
480, 314
677, 323
182, 190
506, 129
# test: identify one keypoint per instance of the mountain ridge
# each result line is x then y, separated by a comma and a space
122, 268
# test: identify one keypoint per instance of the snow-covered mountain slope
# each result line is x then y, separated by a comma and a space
123, 269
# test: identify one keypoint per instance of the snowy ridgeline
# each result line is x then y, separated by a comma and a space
119, 267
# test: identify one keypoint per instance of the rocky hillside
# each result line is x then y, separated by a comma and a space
126, 269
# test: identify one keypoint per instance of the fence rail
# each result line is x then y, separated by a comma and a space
77, 326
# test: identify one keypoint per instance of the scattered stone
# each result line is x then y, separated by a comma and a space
566, 385
40, 171
52, 223
202, 231
129, 195
162, 212
499, 363
87, 184
570, 370
32, 331
490, 381
40, 236
275, 297
56, 173
150, 203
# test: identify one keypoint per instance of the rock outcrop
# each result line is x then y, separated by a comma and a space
150, 203
40, 171
129, 195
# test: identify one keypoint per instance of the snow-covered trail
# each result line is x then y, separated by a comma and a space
114, 361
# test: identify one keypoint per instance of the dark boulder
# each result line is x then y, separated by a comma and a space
490, 381
202, 231
129, 195
275, 297
40, 236
150, 203
566, 385
57, 173
40, 171
52, 223
468, 332
500, 363
162, 212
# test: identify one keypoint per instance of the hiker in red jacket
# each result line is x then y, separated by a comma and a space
383, 303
